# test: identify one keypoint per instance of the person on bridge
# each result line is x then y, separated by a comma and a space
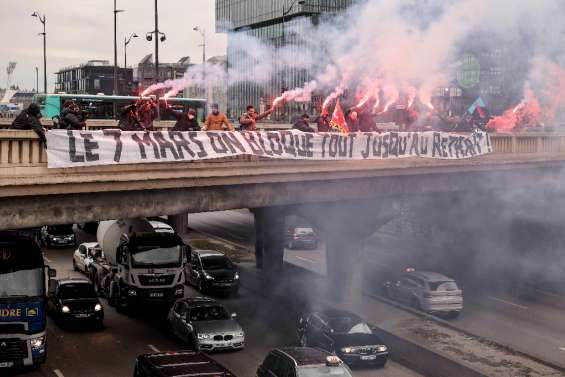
217, 121
72, 119
28, 119
129, 120
323, 121
147, 113
186, 121
248, 120
303, 124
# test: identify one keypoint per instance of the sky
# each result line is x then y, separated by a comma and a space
82, 30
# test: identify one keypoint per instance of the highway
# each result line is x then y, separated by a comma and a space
269, 319
535, 327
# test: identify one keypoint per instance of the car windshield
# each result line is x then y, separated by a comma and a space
208, 313
323, 371
76, 291
22, 283
216, 262
60, 230
157, 257
348, 325
443, 286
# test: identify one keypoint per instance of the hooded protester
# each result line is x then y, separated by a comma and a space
248, 120
187, 122
129, 120
217, 121
28, 119
71, 118
303, 124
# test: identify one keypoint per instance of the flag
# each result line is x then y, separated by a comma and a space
338, 122
478, 104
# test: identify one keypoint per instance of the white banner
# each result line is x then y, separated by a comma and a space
86, 148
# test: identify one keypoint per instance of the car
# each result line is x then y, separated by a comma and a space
344, 334
302, 238
161, 227
206, 324
84, 255
430, 292
177, 364
74, 301
302, 361
58, 235
211, 270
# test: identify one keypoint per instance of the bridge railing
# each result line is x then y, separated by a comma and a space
21, 149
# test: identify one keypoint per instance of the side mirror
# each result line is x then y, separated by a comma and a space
234, 315
51, 272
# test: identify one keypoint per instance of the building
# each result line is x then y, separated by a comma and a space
271, 22
93, 77
216, 93
144, 72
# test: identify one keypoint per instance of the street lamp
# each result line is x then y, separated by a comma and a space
115, 90
36, 80
42, 20
159, 36
203, 45
126, 43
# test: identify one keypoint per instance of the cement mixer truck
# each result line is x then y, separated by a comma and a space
142, 266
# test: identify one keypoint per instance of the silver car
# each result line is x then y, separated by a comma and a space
430, 292
207, 324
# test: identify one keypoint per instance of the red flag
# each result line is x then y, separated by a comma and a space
338, 122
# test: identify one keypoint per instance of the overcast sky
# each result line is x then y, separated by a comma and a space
81, 30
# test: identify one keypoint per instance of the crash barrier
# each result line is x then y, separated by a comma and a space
23, 149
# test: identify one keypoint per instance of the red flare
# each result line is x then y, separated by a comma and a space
278, 100
363, 101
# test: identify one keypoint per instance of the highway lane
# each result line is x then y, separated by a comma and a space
534, 327
269, 321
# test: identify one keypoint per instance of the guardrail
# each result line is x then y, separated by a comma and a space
22, 148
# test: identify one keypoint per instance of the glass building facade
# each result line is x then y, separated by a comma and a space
276, 22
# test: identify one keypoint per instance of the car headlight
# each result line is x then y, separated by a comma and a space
381, 348
65, 309
37, 343
347, 350
203, 336
236, 277
209, 277
97, 307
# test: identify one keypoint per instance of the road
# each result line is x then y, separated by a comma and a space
535, 327
269, 318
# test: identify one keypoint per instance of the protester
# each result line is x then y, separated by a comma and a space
353, 120
303, 124
248, 120
67, 105
217, 121
147, 113
187, 121
323, 122
28, 119
129, 120
72, 119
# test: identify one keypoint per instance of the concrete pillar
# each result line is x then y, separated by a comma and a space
269, 237
179, 222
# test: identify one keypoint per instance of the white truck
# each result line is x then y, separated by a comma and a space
141, 266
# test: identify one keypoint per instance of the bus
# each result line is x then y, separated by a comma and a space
22, 300
100, 106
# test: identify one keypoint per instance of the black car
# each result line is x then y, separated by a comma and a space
58, 235
344, 334
74, 301
302, 238
181, 363
210, 270
302, 361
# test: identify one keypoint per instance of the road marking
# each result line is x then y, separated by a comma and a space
153, 348
508, 303
305, 259
58, 373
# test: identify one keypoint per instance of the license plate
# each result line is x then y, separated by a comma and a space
6, 364
372, 357
81, 315
156, 294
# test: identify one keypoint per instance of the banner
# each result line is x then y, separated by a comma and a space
87, 148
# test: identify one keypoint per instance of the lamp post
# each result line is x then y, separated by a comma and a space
42, 20
115, 89
159, 36
36, 80
203, 45
126, 43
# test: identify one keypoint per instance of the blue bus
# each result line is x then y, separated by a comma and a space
102, 106
22, 301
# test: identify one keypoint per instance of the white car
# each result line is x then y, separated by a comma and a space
84, 255
161, 227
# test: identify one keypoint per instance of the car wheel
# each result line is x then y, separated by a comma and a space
303, 341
